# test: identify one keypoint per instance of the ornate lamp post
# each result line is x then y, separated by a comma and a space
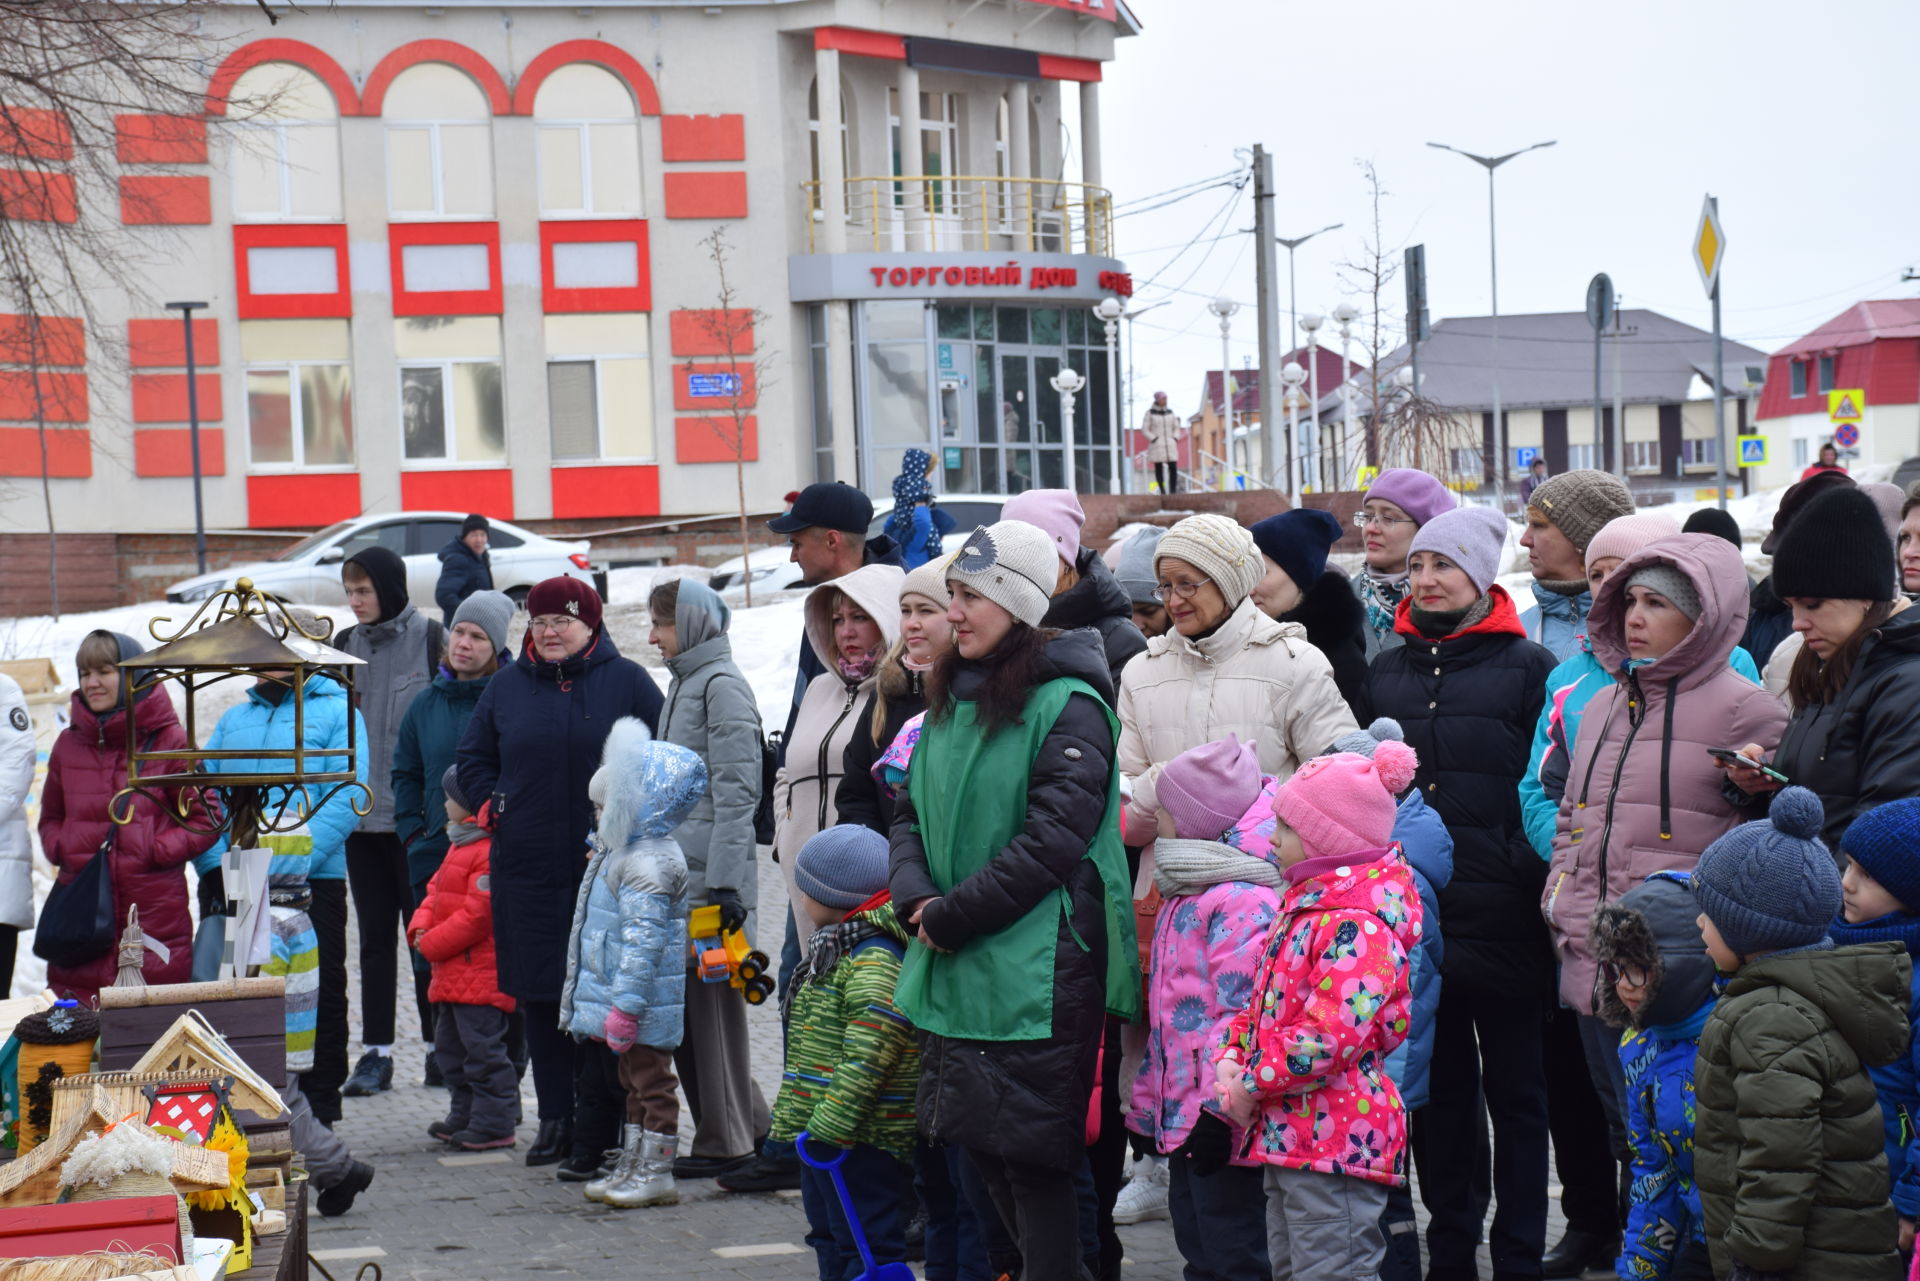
1110, 310
1224, 309
1292, 375
1068, 383
1344, 315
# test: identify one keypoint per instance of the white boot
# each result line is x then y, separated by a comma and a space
1145, 1196
631, 1137
650, 1182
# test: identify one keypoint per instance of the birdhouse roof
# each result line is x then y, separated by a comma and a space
191, 1047
34, 1179
241, 642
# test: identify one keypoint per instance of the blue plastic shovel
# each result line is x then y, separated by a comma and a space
875, 1271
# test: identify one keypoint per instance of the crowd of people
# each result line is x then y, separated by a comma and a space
1313, 892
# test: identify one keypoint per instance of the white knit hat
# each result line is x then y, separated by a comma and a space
1218, 548
930, 581
1012, 564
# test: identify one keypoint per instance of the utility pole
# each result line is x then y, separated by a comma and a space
1265, 265
1619, 440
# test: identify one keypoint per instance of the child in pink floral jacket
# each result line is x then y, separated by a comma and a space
1308, 1056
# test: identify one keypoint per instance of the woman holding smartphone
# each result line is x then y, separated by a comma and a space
1853, 738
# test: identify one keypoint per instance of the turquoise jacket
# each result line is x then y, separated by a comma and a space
1557, 622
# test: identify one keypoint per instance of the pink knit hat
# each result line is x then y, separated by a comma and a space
1207, 789
1058, 514
1344, 803
1624, 535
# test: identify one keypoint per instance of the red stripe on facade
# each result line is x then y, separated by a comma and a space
35, 133
472, 490
706, 195
697, 332
166, 200
162, 398
684, 396
300, 54
168, 451
454, 54
638, 297
43, 341
867, 44
715, 440
461, 302
160, 344
69, 452
1084, 70
26, 397
316, 498
28, 195
695, 138
338, 303
605, 491
160, 140
611, 57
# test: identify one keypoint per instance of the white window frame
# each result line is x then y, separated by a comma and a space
1478, 455
296, 415
600, 454
439, 173
452, 457
587, 213
1642, 467
284, 167
1705, 446
1581, 457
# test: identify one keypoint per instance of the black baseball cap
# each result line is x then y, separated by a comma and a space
831, 504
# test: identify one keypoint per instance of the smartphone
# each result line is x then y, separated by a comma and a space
1731, 757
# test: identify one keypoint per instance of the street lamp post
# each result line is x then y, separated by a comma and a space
1068, 383
1311, 322
1130, 317
1110, 311
1291, 376
1224, 308
186, 310
1293, 313
1490, 163
1344, 315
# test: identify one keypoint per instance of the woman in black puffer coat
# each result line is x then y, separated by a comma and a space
1466, 687
1300, 587
898, 696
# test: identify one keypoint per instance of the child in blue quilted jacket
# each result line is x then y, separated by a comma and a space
1656, 980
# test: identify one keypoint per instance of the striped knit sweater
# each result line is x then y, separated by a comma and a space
853, 1061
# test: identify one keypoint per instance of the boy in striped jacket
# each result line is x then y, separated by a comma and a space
852, 1060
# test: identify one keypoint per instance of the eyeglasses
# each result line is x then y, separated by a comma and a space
1363, 519
555, 623
1631, 975
1185, 591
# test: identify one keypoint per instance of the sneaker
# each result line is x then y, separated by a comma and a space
433, 1079
580, 1167
474, 1141
338, 1199
372, 1074
762, 1174
444, 1130
1145, 1196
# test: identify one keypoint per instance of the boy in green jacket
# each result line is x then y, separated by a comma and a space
1788, 1149
852, 1060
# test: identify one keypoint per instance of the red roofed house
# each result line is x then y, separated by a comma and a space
1204, 455
1873, 348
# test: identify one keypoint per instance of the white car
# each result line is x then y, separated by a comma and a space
308, 572
773, 568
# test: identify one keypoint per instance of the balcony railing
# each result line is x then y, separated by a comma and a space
949, 214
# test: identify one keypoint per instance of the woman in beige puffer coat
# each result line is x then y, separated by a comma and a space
851, 623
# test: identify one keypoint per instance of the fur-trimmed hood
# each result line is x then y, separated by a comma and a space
644, 787
1654, 926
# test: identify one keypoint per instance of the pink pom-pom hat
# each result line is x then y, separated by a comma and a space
1345, 803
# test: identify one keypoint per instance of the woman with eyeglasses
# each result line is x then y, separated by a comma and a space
533, 743
1466, 686
1399, 501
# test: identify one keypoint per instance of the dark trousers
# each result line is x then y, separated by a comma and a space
996, 1237
1040, 1209
956, 1250
9, 948
1168, 477
599, 1100
382, 902
1583, 1151
876, 1183
1107, 1158
1609, 1075
1402, 1259
1692, 1264
470, 1043
1476, 1027
1220, 1221
328, 913
550, 1057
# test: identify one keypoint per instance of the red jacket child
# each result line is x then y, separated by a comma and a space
453, 928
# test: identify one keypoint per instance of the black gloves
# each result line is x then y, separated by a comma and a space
1209, 1147
211, 894
733, 913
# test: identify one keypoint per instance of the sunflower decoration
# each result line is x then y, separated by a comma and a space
226, 1137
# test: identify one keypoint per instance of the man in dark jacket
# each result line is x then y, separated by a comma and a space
401, 647
464, 567
1086, 593
533, 743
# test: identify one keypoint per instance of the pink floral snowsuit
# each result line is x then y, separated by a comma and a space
1330, 1002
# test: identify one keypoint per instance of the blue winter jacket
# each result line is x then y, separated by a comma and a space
261, 723
530, 747
428, 742
1898, 1082
1428, 846
1557, 622
1664, 1216
628, 946
1570, 687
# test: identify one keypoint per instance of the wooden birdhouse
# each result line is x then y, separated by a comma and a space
192, 1048
34, 1178
195, 1111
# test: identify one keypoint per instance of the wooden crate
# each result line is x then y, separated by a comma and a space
126, 1223
250, 1013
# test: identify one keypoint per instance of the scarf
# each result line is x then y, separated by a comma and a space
1384, 592
1188, 867
919, 669
1563, 586
825, 950
854, 673
463, 832
1894, 927
1442, 623
1687, 1029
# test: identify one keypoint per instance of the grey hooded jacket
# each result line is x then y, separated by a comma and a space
710, 711
398, 668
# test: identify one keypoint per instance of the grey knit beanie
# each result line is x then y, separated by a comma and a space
491, 612
1580, 503
1135, 571
845, 865
1771, 885
1012, 564
1671, 583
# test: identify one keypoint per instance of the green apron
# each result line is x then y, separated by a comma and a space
969, 794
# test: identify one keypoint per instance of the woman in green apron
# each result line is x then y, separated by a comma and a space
1008, 864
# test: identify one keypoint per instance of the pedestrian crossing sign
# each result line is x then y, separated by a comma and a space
1753, 451
1846, 405
1366, 476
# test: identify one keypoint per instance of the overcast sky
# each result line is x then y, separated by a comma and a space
1803, 121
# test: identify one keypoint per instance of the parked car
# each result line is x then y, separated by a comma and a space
309, 571
773, 568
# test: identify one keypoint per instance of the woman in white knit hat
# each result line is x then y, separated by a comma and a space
1007, 863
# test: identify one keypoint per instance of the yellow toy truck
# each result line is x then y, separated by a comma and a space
725, 956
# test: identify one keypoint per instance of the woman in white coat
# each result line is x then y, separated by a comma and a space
17, 755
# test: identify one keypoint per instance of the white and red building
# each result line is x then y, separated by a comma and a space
1872, 348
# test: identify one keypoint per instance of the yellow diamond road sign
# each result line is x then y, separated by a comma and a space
1709, 246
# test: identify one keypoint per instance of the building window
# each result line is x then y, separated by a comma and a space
1466, 463
1643, 456
813, 134
1826, 373
1802, 451
599, 387
817, 351
450, 402
588, 145
1699, 453
299, 393
286, 146
439, 145
1796, 378
1580, 457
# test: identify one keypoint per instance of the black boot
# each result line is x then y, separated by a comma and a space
552, 1144
433, 1080
338, 1199
1577, 1252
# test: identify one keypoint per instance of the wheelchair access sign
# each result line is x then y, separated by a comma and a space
1753, 451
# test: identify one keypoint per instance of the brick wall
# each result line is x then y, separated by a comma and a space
89, 579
